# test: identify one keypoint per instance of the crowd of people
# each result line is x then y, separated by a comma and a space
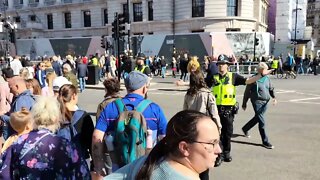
47, 135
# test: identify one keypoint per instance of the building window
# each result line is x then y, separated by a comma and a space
67, 19
150, 10
105, 17
125, 11
17, 19
137, 12
86, 18
197, 8
32, 18
50, 21
232, 7
197, 31
233, 30
32, 1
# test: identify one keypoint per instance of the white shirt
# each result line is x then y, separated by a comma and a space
16, 67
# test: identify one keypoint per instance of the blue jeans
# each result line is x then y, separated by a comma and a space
163, 71
259, 107
82, 83
300, 69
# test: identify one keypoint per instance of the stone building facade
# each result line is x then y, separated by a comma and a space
87, 18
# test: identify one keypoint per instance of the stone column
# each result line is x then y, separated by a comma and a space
25, 3
10, 4
41, 2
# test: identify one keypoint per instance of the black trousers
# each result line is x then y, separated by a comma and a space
226, 118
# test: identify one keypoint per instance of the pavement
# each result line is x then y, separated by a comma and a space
293, 127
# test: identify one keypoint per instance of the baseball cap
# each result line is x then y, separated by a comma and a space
58, 82
135, 80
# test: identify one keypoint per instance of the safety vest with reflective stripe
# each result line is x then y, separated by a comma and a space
274, 64
224, 91
141, 70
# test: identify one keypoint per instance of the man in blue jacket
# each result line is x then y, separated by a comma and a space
260, 93
137, 86
22, 98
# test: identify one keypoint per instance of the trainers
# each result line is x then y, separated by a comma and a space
246, 134
267, 145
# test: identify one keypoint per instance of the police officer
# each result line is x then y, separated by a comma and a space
224, 90
140, 66
275, 65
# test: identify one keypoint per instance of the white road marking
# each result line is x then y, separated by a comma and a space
304, 99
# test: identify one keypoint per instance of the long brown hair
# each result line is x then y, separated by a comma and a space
65, 94
181, 127
196, 83
34, 83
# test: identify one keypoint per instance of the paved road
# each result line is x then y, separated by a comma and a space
293, 128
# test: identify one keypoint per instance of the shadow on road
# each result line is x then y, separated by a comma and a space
182, 90
166, 82
247, 143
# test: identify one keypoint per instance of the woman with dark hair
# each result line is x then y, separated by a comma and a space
79, 119
190, 147
199, 98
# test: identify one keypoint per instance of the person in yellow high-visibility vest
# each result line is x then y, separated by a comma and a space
140, 66
224, 90
275, 66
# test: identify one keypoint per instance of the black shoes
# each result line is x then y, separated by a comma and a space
227, 159
267, 145
218, 162
246, 134
220, 159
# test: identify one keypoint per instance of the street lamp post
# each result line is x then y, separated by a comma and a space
295, 30
128, 19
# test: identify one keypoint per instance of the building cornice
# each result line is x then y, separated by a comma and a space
85, 4
225, 18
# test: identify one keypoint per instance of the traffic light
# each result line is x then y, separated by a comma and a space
256, 42
103, 42
122, 25
115, 28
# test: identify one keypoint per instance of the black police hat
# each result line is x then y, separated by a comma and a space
223, 59
141, 56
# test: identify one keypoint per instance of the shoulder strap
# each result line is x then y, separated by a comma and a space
76, 116
120, 105
31, 146
143, 105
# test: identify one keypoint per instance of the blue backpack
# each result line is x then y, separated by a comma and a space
68, 130
130, 132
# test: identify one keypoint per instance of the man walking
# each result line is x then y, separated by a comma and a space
259, 93
82, 75
224, 90
137, 86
